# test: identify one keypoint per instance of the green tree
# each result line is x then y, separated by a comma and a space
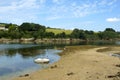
109, 29
75, 33
49, 35
12, 28
108, 34
78, 34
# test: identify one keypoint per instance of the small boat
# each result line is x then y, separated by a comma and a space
42, 60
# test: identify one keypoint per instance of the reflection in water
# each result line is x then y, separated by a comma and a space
19, 58
16, 59
24, 52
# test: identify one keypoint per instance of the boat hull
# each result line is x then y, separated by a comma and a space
40, 60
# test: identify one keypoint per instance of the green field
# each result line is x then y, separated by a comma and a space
57, 31
2, 24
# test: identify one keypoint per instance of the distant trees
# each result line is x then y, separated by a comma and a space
108, 34
32, 30
31, 27
110, 30
49, 35
78, 34
36, 31
91, 35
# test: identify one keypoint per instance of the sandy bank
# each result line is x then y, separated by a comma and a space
80, 64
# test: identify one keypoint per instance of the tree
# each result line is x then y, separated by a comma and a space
109, 29
75, 33
25, 27
82, 35
12, 28
78, 34
61, 35
49, 35
32, 30
108, 34
31, 27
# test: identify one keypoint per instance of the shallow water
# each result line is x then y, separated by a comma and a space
18, 59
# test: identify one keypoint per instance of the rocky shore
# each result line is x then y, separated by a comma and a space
44, 40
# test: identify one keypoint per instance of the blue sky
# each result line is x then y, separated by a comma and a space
66, 14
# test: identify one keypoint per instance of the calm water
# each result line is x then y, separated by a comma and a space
18, 59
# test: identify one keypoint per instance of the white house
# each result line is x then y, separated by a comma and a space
3, 28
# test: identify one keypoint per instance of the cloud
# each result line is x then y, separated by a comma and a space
28, 10
20, 11
22, 4
55, 1
113, 19
94, 7
42, 1
77, 9
53, 17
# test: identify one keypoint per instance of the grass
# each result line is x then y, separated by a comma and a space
2, 24
57, 31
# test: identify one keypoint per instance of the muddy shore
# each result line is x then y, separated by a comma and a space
81, 63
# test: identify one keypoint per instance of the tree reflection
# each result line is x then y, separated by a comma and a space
25, 52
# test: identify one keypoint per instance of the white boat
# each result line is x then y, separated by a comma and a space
42, 60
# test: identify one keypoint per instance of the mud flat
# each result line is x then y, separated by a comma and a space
80, 63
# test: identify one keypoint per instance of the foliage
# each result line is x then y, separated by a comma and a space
108, 34
49, 35
78, 34
31, 27
33, 30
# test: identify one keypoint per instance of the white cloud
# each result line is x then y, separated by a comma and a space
76, 9
42, 1
20, 11
112, 2
113, 19
58, 1
85, 9
55, 1
28, 10
53, 17
27, 4
22, 4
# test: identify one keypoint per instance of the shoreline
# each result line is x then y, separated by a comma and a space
47, 40
80, 63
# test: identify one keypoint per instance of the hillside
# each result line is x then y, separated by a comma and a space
57, 31
2, 24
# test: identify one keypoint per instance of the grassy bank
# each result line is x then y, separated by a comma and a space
57, 31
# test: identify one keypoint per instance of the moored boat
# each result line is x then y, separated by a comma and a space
41, 60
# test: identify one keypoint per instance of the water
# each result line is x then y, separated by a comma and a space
18, 59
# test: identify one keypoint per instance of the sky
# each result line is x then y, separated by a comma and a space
93, 15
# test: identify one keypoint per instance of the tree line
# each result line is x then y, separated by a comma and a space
37, 31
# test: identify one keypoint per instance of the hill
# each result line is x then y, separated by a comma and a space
57, 31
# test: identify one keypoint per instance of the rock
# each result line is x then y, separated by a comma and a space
71, 73
24, 75
118, 65
111, 76
55, 66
